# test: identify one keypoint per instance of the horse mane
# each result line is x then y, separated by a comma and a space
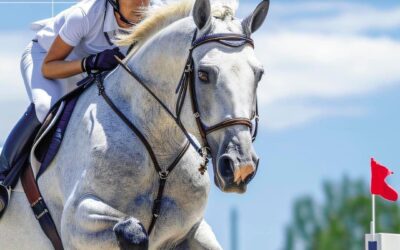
158, 18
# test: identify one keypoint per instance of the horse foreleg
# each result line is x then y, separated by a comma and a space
131, 234
92, 224
200, 237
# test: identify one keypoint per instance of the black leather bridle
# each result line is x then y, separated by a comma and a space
187, 81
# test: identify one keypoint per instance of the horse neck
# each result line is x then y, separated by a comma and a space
159, 64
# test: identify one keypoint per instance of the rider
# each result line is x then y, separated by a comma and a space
77, 41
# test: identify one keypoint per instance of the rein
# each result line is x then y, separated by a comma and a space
187, 81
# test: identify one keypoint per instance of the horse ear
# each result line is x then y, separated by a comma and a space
202, 14
257, 18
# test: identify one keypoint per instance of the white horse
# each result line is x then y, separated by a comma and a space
101, 186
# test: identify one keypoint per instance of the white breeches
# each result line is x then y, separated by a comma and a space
44, 93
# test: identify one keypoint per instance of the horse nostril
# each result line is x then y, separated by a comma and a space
225, 167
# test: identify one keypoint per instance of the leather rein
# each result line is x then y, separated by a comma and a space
186, 82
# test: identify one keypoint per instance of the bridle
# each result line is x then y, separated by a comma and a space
187, 81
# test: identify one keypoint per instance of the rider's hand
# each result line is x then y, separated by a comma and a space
102, 61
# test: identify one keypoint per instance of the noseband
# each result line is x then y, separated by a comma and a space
187, 81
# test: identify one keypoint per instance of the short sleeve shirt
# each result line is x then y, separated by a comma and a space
89, 26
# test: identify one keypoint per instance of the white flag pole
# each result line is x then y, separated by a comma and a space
373, 218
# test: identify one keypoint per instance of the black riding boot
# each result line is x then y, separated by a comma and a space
15, 153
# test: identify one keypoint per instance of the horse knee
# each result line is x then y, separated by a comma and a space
131, 235
88, 224
202, 237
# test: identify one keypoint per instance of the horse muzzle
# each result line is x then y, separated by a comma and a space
235, 169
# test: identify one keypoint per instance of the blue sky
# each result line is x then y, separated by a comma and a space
329, 101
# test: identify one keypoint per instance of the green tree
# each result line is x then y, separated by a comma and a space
341, 220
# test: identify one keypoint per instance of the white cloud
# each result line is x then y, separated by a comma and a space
303, 65
280, 116
291, 8
333, 17
348, 22
322, 51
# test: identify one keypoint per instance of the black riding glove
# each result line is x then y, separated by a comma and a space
103, 61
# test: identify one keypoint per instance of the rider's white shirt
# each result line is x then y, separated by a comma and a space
81, 26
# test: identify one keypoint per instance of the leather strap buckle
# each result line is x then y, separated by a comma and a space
41, 214
39, 208
188, 68
163, 174
156, 208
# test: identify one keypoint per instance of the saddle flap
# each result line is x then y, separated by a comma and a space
50, 135
38, 150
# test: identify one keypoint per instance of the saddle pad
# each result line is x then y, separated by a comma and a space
51, 134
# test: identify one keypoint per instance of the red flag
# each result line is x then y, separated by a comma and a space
378, 183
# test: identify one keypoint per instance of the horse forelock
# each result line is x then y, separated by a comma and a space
222, 9
158, 18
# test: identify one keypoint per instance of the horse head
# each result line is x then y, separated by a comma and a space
225, 78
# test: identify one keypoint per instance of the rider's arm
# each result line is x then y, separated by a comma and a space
74, 29
54, 66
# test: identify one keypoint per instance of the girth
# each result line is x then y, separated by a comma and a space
39, 208
28, 180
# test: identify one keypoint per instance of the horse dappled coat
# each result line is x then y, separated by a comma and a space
102, 182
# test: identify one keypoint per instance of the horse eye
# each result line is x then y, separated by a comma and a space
203, 76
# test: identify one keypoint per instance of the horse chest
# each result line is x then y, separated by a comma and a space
184, 201
188, 187
185, 189
132, 171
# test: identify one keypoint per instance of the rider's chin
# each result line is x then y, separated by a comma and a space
232, 176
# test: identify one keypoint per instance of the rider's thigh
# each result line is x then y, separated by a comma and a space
42, 92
